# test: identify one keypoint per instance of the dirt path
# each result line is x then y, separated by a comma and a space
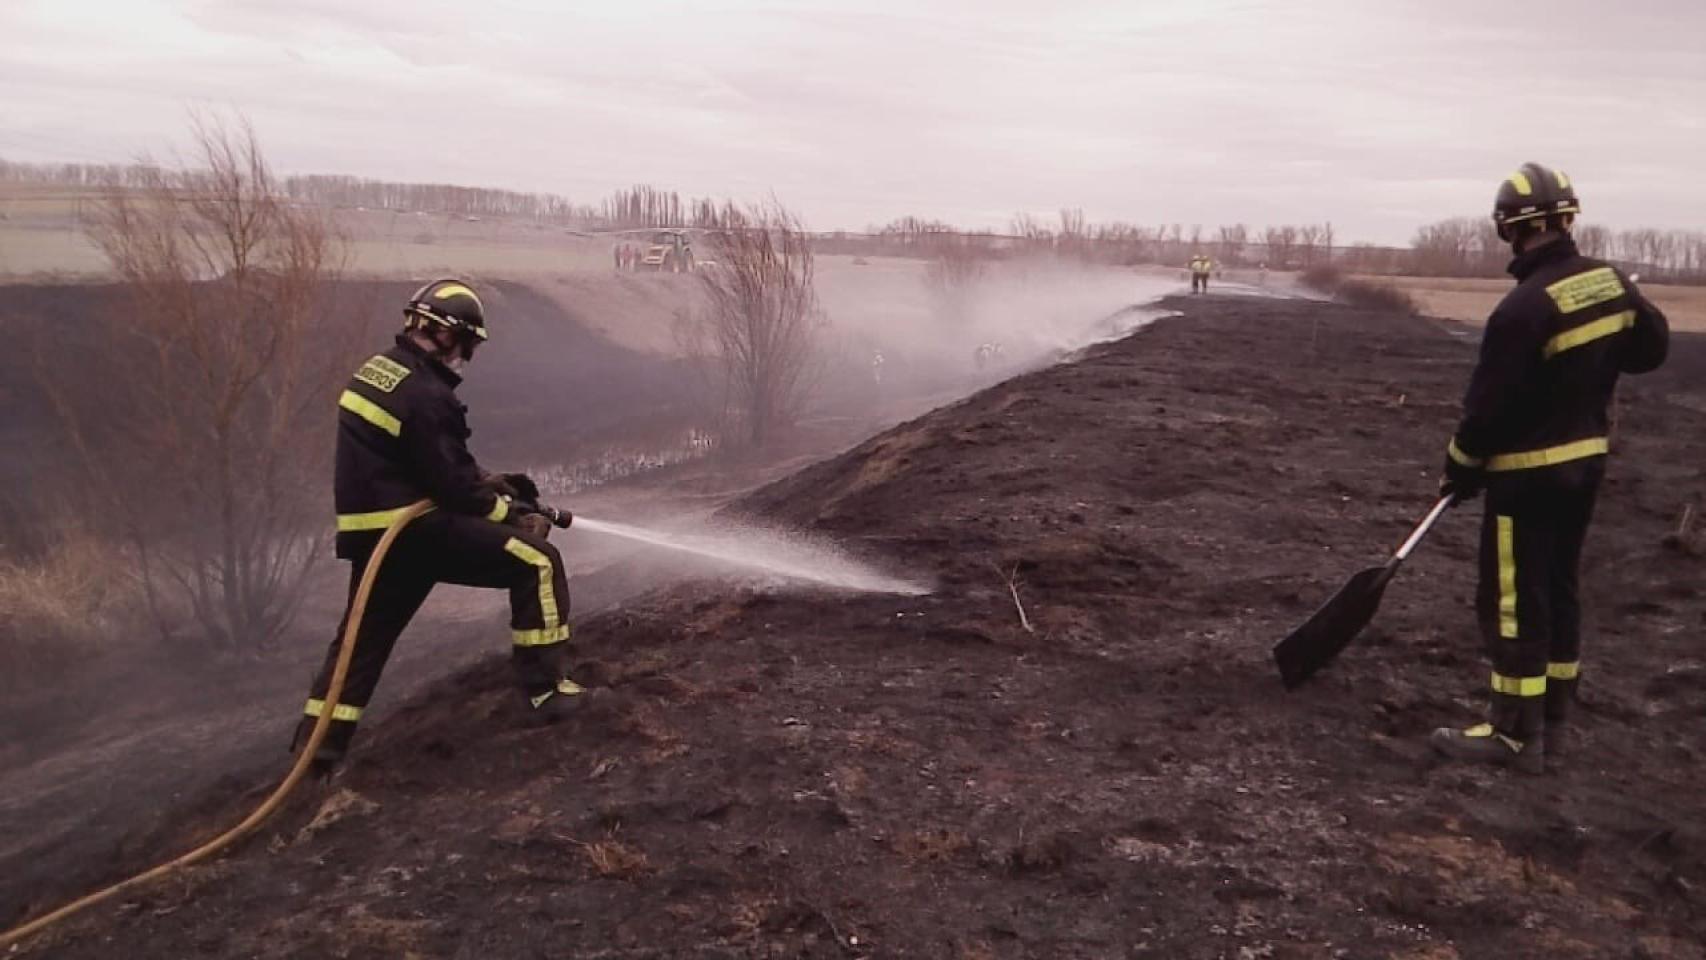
832, 776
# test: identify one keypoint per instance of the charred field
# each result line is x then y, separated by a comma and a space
817, 775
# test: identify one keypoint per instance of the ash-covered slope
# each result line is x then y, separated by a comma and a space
832, 776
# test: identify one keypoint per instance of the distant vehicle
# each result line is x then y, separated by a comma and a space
670, 251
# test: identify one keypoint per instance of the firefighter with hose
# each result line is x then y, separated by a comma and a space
403, 436
1535, 434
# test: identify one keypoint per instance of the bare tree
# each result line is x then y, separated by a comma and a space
760, 316
1232, 242
200, 415
952, 276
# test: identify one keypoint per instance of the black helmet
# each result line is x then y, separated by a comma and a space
449, 304
1533, 192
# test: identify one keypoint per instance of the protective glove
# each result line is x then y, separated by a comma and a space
498, 485
523, 485
516, 486
1460, 482
536, 524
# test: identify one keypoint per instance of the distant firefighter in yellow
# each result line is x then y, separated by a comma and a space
1201, 267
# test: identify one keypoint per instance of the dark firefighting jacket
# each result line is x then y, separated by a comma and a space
1550, 357
403, 435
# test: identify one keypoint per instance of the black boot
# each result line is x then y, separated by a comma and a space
554, 703
543, 673
1511, 738
1560, 694
330, 754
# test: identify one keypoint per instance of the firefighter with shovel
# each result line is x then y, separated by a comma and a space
402, 438
1534, 435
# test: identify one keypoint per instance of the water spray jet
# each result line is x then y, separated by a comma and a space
787, 556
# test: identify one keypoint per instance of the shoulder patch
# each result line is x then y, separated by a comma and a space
382, 373
1585, 289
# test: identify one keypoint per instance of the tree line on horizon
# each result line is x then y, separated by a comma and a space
1456, 246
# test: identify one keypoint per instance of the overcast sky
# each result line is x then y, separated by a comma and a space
1378, 115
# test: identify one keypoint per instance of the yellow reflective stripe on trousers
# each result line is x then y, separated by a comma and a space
1585, 289
377, 520
1457, 455
371, 412
1519, 686
1507, 576
1564, 671
1549, 456
547, 593
500, 510
540, 638
342, 711
1589, 332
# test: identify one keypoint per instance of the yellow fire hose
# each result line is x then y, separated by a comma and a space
346, 650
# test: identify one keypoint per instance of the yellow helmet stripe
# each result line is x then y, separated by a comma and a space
1519, 180
1563, 181
452, 290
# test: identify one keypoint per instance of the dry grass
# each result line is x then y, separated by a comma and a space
932, 846
612, 859
1470, 300
53, 606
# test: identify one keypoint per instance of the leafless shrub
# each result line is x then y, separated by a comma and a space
1369, 295
758, 324
1322, 278
1377, 296
199, 416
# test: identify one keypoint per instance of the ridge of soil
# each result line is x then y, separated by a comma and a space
767, 774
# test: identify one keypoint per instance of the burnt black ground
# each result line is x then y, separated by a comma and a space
781, 775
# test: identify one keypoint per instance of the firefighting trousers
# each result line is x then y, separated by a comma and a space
1199, 281
443, 547
1527, 601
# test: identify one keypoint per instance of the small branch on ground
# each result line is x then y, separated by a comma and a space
1012, 580
1682, 539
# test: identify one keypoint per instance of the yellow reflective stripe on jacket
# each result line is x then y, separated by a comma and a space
1589, 332
1585, 289
371, 412
547, 593
1457, 455
1562, 453
540, 638
342, 711
1564, 671
1519, 686
500, 510
1507, 577
377, 520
